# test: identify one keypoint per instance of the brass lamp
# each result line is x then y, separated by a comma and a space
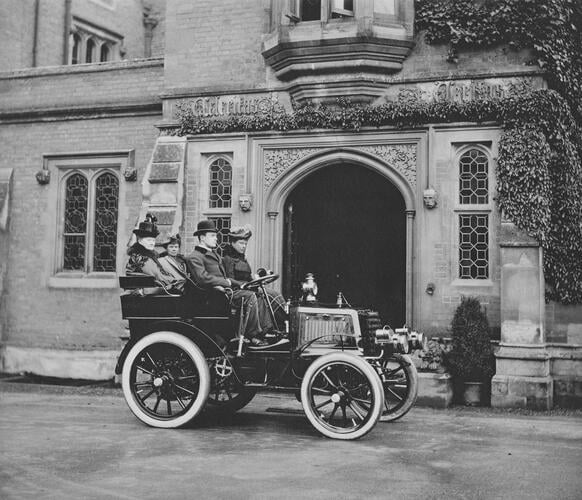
309, 289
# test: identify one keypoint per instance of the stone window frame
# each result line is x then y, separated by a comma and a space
208, 212
210, 161
328, 9
336, 9
91, 165
83, 33
485, 209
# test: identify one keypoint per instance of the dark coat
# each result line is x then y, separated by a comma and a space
143, 261
207, 270
236, 265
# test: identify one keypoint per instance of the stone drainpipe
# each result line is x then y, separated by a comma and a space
5, 191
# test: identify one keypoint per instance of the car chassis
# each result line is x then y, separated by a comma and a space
187, 353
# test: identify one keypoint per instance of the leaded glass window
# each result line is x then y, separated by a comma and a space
106, 209
223, 226
220, 184
91, 209
75, 233
473, 178
474, 246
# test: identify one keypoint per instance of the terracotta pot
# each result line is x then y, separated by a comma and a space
472, 393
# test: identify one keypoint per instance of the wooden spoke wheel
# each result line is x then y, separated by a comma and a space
342, 396
400, 382
165, 380
227, 393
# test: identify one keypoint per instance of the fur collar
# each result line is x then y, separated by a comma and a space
136, 248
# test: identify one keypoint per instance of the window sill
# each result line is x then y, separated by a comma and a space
472, 283
74, 280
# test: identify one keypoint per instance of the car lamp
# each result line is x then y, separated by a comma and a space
309, 288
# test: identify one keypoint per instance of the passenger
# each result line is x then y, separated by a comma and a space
237, 267
206, 269
173, 262
143, 259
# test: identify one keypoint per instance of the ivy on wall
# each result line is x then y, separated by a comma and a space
552, 29
539, 168
539, 173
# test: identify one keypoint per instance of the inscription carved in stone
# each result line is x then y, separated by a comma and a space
401, 157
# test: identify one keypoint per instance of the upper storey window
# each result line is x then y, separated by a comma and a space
317, 10
92, 44
325, 49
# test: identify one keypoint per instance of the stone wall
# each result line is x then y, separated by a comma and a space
17, 38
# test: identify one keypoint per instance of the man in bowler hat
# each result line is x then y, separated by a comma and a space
207, 270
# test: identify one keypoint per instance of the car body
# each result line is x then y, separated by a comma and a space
187, 354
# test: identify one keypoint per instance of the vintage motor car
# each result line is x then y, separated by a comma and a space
187, 354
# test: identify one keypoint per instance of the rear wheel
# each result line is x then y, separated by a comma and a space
165, 380
342, 396
227, 393
400, 381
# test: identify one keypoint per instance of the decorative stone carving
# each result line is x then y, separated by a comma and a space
43, 176
130, 173
245, 202
430, 198
277, 161
401, 157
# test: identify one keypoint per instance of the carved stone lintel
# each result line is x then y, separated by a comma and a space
43, 176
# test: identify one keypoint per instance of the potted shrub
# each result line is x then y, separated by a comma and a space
470, 360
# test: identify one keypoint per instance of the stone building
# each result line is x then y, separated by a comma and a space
400, 219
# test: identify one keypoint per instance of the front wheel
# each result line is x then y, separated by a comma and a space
342, 396
400, 381
165, 380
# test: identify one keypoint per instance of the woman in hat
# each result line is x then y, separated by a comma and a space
143, 258
172, 260
238, 268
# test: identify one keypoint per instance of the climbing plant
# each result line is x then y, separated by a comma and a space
539, 168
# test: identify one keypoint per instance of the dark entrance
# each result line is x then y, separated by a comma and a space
347, 225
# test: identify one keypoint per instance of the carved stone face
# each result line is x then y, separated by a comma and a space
430, 198
245, 202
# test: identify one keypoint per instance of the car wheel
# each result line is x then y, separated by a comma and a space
165, 380
227, 393
400, 381
342, 396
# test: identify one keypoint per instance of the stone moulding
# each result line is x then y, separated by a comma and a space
401, 157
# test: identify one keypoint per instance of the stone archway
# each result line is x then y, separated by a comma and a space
347, 225
397, 166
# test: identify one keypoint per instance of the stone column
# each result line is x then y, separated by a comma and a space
522, 377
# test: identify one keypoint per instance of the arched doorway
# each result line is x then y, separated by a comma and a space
347, 224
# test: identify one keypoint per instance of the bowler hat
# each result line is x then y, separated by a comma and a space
205, 226
240, 233
147, 228
173, 240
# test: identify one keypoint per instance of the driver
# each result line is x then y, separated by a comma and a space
237, 267
207, 270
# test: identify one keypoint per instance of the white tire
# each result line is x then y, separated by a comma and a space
165, 380
399, 379
342, 396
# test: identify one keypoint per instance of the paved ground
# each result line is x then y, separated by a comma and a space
77, 444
